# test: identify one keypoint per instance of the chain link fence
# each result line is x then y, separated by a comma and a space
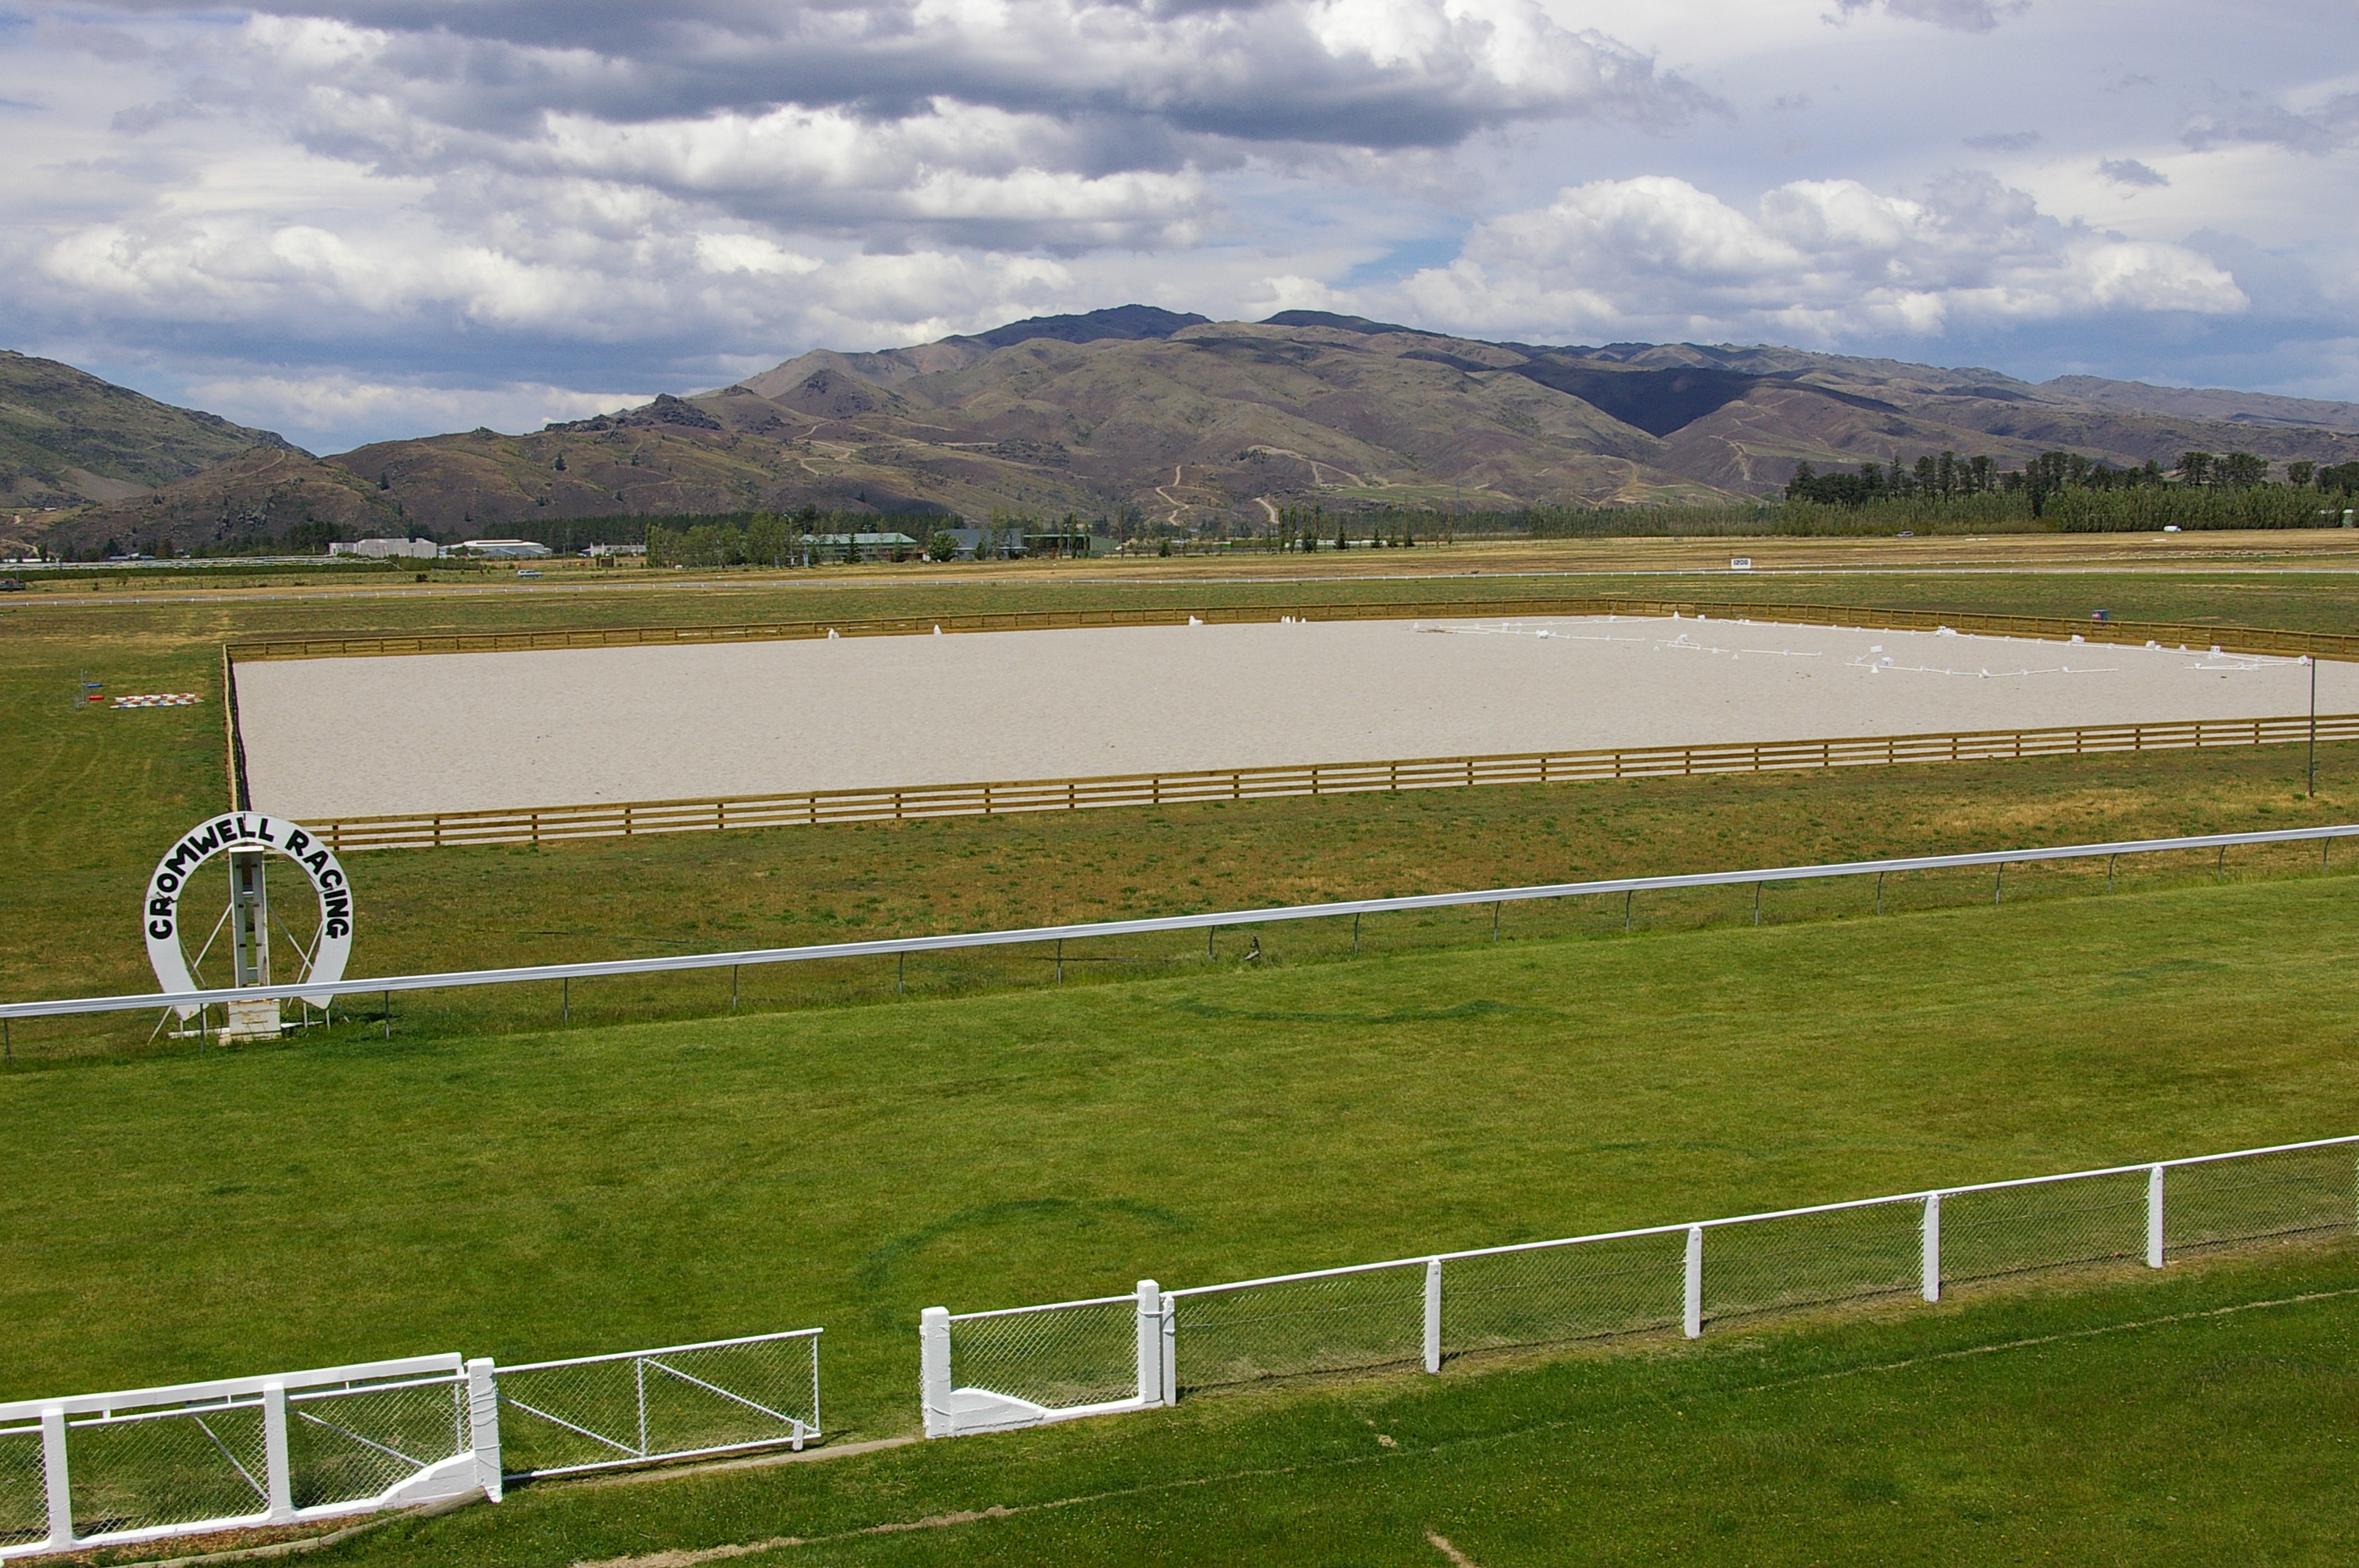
146, 1469
347, 1446
1059, 1357
594, 1412
119, 1469
1554, 1294
1997, 1231
1028, 1364
1812, 1257
2296, 1191
23, 1494
1241, 1334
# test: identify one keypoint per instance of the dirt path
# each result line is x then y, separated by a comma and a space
1177, 505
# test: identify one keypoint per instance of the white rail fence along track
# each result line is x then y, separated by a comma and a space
142, 1465
625, 819
1022, 1366
1209, 923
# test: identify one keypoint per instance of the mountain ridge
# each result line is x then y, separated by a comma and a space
69, 439
1140, 414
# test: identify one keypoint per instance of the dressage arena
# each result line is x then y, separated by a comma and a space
486, 731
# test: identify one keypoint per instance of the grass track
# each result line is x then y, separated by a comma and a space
603, 1188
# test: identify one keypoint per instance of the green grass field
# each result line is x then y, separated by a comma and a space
95, 796
2201, 1417
594, 1189
660, 1171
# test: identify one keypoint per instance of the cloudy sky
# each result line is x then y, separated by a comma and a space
360, 218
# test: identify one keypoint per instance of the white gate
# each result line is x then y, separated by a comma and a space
594, 1412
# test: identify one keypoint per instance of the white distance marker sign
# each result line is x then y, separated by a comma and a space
248, 830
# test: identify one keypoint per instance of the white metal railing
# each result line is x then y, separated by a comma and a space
1025, 1365
236, 1453
116, 1469
1208, 923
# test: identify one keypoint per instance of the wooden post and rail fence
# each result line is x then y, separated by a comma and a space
550, 824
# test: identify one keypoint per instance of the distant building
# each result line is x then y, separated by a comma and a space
386, 549
1073, 541
971, 545
869, 547
502, 549
601, 552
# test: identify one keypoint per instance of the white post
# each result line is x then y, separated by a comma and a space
1695, 1283
1150, 1343
1433, 1315
483, 1424
277, 1485
1933, 1265
53, 1475
934, 1370
2154, 1217
1170, 1312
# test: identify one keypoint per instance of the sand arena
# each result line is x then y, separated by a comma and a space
484, 732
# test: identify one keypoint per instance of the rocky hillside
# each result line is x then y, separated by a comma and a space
69, 440
1149, 413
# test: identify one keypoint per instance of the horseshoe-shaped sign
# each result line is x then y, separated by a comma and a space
248, 830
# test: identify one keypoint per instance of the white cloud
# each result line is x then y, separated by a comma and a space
1959, 16
1817, 261
750, 252
327, 405
1346, 72
979, 171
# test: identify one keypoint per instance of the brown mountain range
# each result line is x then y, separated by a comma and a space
1142, 413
